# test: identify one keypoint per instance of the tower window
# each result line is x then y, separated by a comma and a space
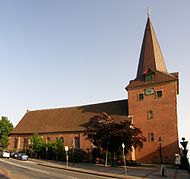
148, 77
149, 114
151, 137
159, 94
140, 96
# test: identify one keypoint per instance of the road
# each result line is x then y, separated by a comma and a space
13, 169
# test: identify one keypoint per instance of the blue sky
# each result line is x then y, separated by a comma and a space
59, 53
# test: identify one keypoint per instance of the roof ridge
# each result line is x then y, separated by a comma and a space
77, 106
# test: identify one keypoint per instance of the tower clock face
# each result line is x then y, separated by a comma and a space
149, 91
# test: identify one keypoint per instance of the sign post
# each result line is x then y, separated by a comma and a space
124, 161
67, 156
46, 152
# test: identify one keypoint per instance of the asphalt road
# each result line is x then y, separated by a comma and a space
16, 169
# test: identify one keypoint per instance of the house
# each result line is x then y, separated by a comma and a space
151, 105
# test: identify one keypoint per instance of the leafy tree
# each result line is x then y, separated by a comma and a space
37, 144
58, 147
107, 134
5, 128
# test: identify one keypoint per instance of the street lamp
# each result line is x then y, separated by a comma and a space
184, 159
161, 158
73, 146
67, 156
123, 146
46, 152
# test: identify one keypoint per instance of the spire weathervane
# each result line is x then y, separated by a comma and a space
148, 12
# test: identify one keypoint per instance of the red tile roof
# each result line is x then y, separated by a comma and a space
68, 119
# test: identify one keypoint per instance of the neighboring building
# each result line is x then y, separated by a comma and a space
151, 105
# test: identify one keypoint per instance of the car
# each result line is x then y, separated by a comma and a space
22, 156
6, 154
14, 154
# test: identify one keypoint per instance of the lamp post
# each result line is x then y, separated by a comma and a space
160, 148
67, 156
125, 169
184, 159
46, 152
73, 147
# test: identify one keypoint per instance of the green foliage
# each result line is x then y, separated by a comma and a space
37, 144
57, 148
5, 128
78, 154
105, 133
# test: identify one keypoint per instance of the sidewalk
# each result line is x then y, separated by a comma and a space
117, 172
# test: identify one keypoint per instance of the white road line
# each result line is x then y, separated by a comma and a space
29, 168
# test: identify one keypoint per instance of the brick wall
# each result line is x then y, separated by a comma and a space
163, 124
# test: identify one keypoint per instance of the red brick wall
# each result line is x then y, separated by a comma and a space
68, 139
163, 124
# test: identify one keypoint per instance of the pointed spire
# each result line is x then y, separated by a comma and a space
151, 56
151, 68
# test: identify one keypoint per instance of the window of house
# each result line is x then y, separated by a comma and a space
159, 94
151, 137
140, 96
148, 77
149, 114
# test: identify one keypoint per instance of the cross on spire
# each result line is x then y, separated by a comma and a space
148, 12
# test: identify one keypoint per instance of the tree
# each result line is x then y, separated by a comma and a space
58, 147
5, 128
37, 144
106, 133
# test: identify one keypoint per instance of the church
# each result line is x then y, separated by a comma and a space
151, 105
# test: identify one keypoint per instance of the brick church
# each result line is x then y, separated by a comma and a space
151, 105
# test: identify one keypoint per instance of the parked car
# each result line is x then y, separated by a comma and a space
22, 156
14, 154
6, 154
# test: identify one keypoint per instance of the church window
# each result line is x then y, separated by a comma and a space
140, 96
48, 139
148, 77
130, 118
159, 94
77, 143
151, 137
62, 139
149, 114
25, 143
15, 143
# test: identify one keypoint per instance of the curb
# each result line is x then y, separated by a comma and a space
86, 171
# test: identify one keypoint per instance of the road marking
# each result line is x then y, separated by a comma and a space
29, 168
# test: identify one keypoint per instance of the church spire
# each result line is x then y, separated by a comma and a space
151, 68
151, 57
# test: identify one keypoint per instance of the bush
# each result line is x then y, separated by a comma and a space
79, 155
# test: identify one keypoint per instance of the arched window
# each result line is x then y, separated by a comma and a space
62, 139
48, 139
77, 142
15, 143
25, 143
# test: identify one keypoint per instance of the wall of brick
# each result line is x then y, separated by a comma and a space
163, 124
68, 139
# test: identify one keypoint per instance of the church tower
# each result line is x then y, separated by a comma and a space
152, 102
